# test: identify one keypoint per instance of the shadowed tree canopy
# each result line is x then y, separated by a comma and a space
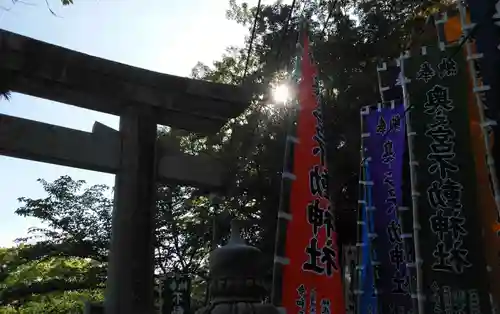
348, 38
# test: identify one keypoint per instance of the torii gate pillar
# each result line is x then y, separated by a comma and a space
142, 99
131, 256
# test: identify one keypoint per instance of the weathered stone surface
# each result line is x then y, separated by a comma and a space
44, 142
98, 151
129, 286
199, 171
51, 72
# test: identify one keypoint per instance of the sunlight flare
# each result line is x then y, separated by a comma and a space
281, 94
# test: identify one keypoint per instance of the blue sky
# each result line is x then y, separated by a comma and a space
163, 35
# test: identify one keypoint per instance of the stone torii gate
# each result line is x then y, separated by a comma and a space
142, 99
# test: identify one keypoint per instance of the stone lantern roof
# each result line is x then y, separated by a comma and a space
236, 284
235, 270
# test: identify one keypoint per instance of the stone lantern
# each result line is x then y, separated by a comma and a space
236, 283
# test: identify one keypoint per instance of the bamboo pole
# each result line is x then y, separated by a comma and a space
284, 215
362, 225
368, 208
414, 193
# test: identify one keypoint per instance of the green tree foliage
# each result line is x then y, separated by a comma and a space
51, 285
347, 38
76, 239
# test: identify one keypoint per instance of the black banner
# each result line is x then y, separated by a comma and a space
176, 295
454, 270
389, 84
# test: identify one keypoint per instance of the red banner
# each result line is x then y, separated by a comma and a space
312, 279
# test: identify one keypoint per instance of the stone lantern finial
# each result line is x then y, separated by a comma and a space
236, 284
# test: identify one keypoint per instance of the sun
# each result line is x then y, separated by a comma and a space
281, 94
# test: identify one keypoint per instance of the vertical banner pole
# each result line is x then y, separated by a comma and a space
360, 244
366, 291
381, 88
350, 261
414, 193
284, 215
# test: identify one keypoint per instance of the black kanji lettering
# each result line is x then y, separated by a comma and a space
318, 181
440, 224
381, 125
395, 123
301, 290
457, 257
320, 150
439, 130
442, 164
319, 116
315, 215
426, 72
329, 258
442, 140
457, 225
388, 154
300, 302
442, 146
445, 194
447, 299
325, 306
388, 179
329, 223
313, 258
438, 98
447, 67
391, 200
441, 254
394, 232
397, 255
459, 301
400, 283
474, 302
392, 206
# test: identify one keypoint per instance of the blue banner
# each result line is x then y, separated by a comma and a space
368, 297
385, 143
